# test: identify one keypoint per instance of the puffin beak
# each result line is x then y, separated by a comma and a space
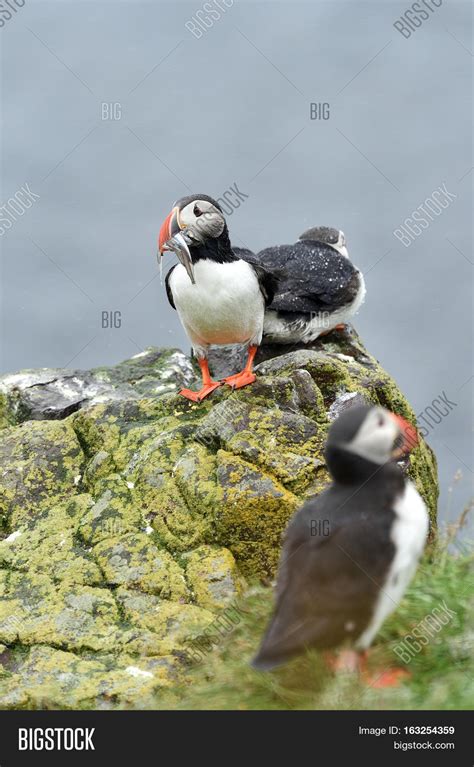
409, 436
170, 238
169, 228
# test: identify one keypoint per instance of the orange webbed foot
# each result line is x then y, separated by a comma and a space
391, 677
198, 396
245, 378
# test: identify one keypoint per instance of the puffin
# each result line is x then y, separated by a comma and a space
349, 553
220, 298
319, 288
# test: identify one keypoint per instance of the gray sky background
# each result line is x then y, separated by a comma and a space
233, 106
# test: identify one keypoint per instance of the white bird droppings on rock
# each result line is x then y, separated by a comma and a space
138, 672
13, 536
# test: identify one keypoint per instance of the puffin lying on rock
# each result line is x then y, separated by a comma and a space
220, 298
319, 288
350, 552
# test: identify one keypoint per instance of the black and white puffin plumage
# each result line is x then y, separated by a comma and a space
319, 287
349, 553
220, 298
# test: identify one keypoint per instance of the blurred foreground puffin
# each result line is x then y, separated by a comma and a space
220, 298
319, 288
350, 552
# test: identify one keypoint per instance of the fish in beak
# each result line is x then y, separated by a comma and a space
171, 239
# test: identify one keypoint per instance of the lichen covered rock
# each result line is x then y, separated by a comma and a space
130, 518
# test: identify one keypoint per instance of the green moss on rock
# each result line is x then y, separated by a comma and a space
51, 678
177, 527
41, 462
213, 577
114, 512
49, 545
133, 560
172, 621
254, 507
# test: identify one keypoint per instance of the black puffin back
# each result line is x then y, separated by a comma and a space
313, 277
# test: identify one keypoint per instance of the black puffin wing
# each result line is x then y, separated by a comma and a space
327, 584
314, 277
268, 282
168, 288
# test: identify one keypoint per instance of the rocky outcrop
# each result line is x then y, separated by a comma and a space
130, 517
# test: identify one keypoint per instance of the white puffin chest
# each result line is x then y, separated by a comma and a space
224, 306
409, 533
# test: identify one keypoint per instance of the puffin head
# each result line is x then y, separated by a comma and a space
333, 237
367, 434
194, 221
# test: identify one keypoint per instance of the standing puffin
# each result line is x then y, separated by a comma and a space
220, 298
319, 287
350, 552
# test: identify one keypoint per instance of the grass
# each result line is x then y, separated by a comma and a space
441, 673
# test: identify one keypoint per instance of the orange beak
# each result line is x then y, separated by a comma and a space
409, 434
169, 228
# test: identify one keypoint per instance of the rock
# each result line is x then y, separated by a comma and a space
41, 463
343, 402
50, 678
213, 576
130, 518
52, 393
133, 560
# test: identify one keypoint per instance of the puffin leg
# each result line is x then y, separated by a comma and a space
245, 377
208, 385
345, 661
356, 662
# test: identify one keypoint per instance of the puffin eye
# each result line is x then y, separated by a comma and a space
380, 420
197, 211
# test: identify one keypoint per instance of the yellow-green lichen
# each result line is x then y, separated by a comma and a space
178, 527
171, 621
213, 577
53, 678
254, 508
41, 464
49, 545
134, 561
114, 512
